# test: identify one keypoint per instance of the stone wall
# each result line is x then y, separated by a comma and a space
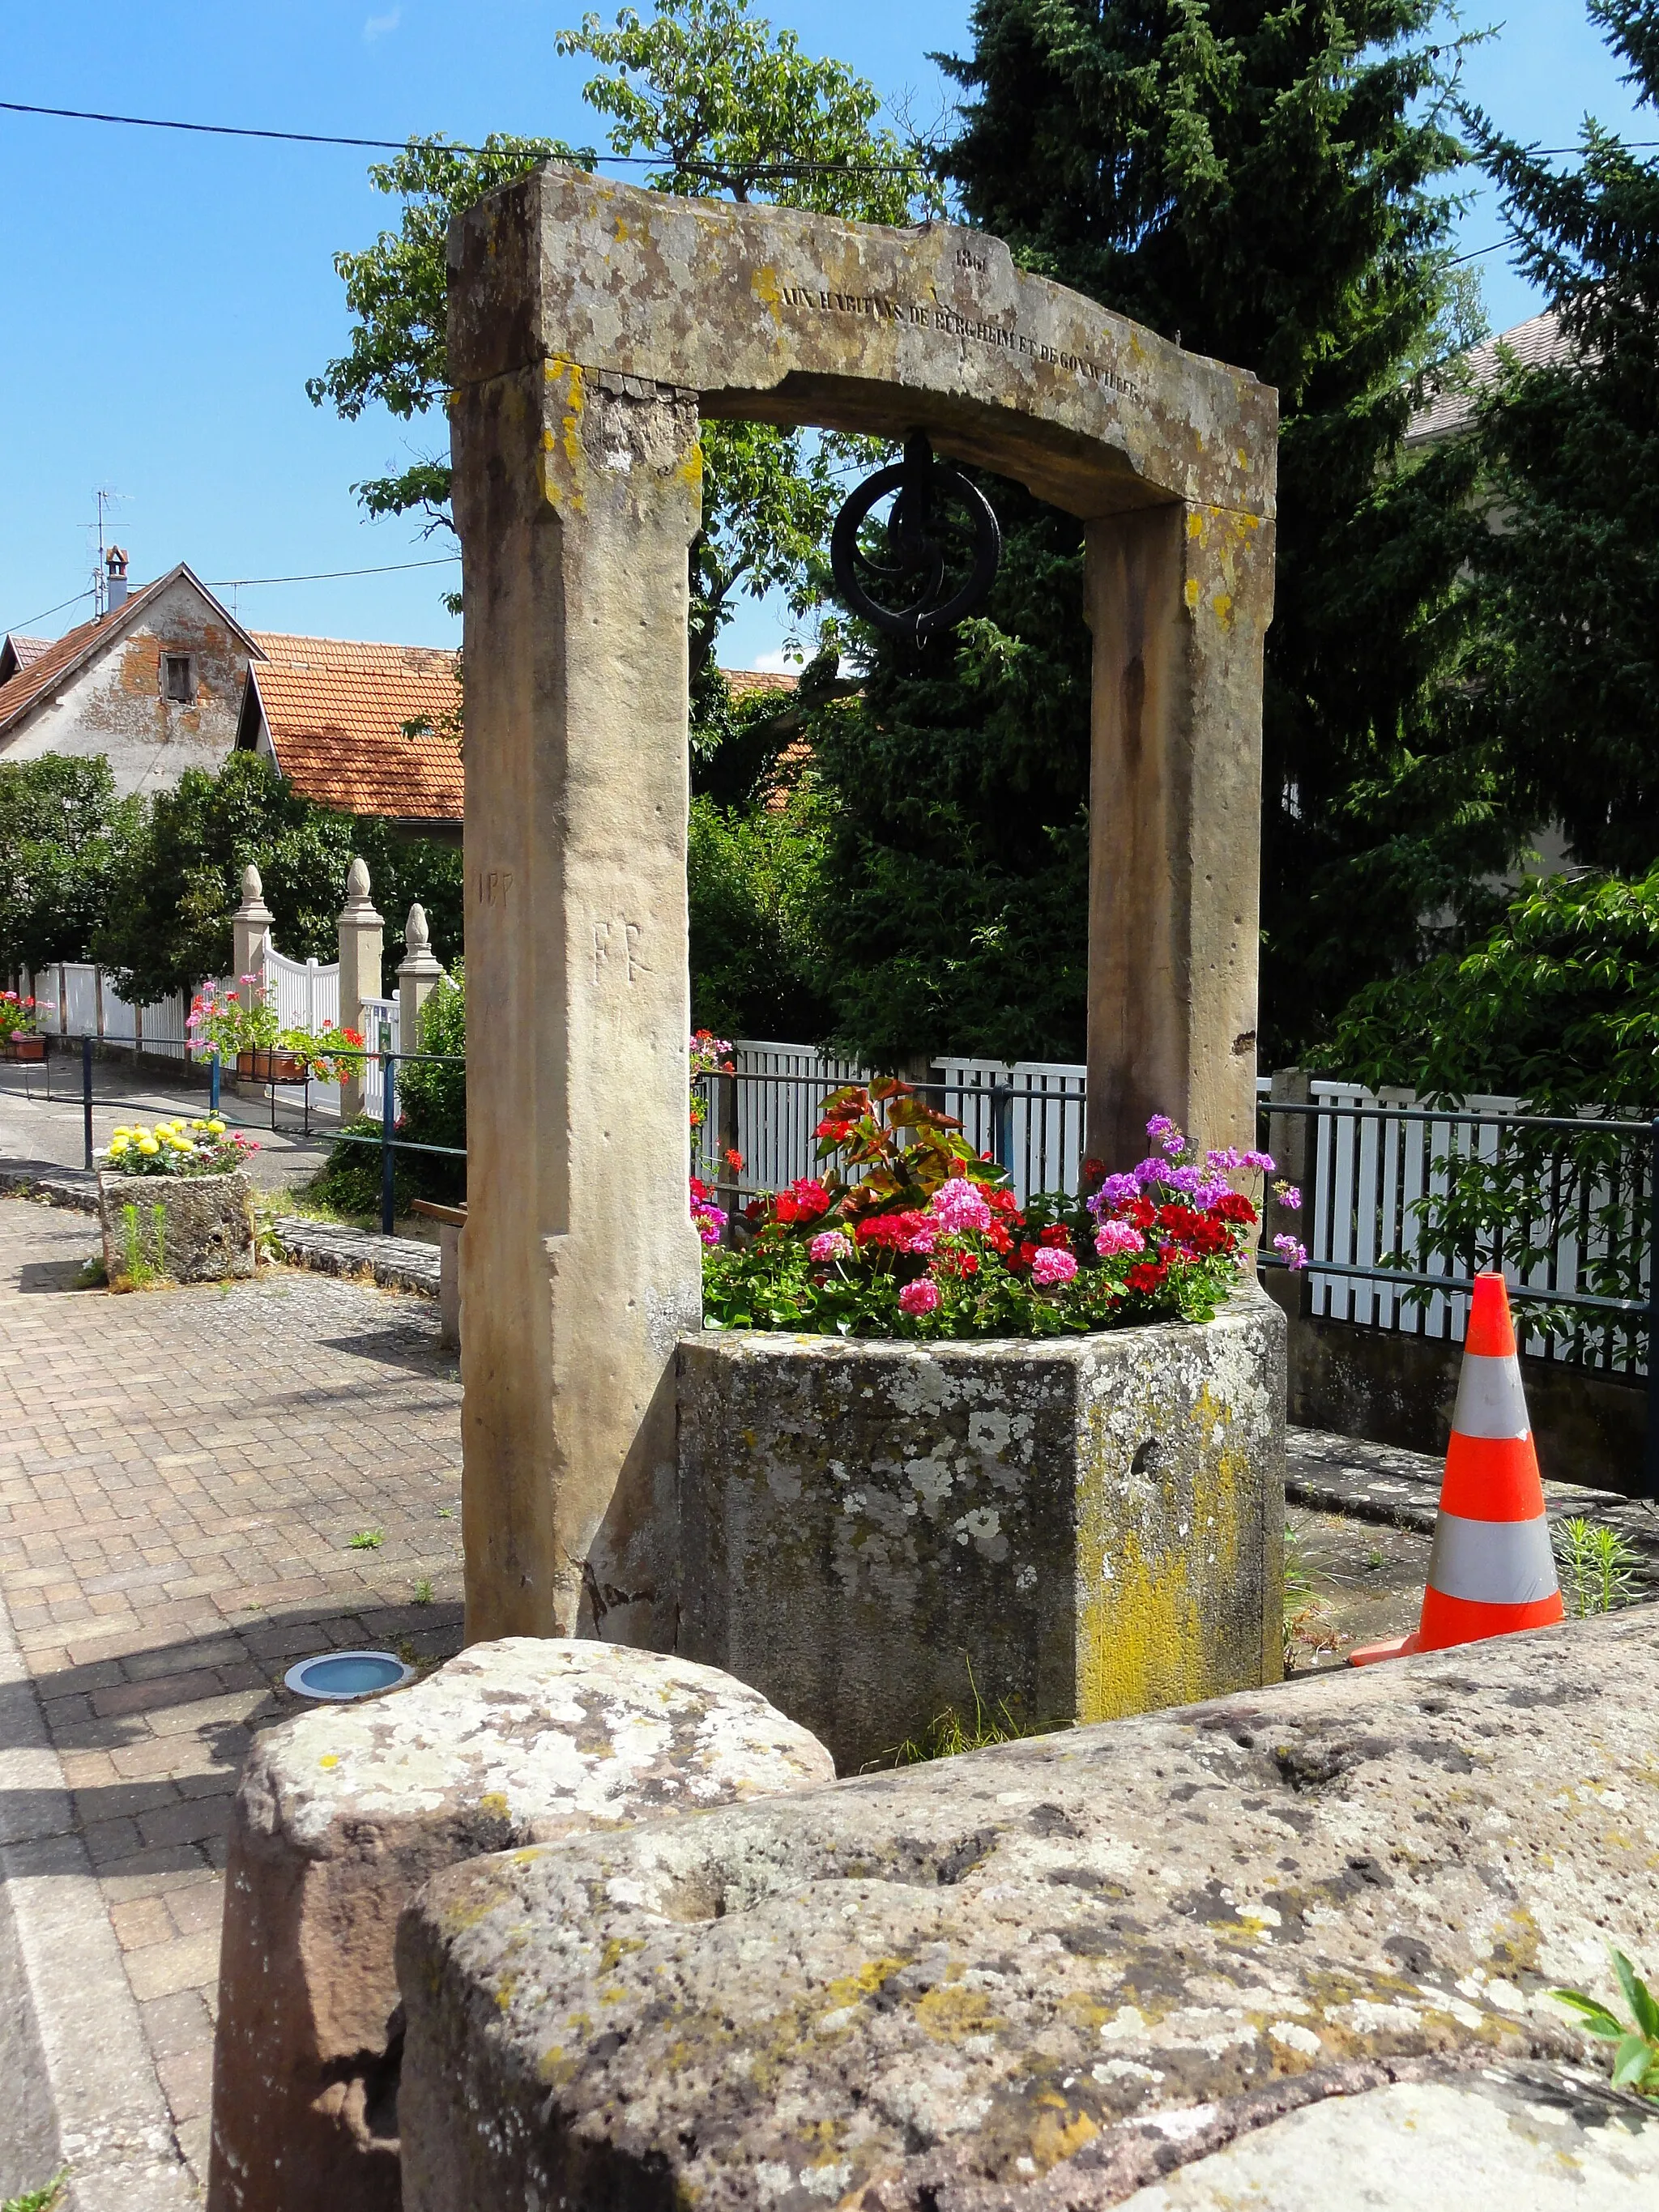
1400, 1389
872, 1532
1047, 1974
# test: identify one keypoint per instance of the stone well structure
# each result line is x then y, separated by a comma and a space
591, 325
873, 1534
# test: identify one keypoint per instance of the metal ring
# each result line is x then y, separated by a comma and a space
918, 620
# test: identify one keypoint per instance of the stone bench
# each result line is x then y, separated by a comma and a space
451, 1220
1050, 1974
344, 1812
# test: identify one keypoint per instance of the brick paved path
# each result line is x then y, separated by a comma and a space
181, 1474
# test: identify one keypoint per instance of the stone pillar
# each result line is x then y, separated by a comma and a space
418, 974
1179, 597
250, 934
576, 496
362, 946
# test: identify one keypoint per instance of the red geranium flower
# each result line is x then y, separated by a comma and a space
1058, 1235
1146, 1275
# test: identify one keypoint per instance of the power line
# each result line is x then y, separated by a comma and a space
45, 611
713, 169
327, 576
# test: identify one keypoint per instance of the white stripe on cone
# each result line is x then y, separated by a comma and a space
1491, 1402
1493, 1562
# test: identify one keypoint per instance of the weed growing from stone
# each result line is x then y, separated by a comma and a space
1306, 1628
37, 2200
367, 1539
1600, 1569
948, 1734
423, 1590
1636, 2055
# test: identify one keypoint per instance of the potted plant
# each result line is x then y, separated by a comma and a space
175, 1201
22, 1039
261, 1048
928, 1427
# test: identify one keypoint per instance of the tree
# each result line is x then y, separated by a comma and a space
1260, 183
1570, 452
728, 105
64, 835
167, 927
752, 875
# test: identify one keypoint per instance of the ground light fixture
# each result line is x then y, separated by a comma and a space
337, 1677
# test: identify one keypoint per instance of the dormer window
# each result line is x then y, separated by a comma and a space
177, 677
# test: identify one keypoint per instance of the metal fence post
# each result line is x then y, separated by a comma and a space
1002, 1124
388, 1117
1650, 1448
86, 1094
213, 1084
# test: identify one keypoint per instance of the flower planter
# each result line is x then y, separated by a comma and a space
22, 1046
261, 1066
1093, 1523
193, 1229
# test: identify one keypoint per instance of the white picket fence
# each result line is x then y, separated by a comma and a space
780, 1088
77, 999
1365, 1178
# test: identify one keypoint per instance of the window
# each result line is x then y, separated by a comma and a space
177, 681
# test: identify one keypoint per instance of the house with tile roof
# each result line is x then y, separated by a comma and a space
154, 683
370, 729
1535, 343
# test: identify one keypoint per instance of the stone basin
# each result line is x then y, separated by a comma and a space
873, 1531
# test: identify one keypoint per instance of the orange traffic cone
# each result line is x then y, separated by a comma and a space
1492, 1570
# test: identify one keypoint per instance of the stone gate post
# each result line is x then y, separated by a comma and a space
577, 497
362, 950
1179, 598
418, 974
250, 934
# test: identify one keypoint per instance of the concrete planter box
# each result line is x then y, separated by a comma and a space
206, 1224
1095, 1524
25, 1044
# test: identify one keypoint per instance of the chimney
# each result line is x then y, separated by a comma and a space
115, 568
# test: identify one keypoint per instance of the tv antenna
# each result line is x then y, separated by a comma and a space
105, 496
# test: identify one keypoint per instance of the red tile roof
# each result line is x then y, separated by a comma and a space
17, 652
744, 682
336, 710
44, 668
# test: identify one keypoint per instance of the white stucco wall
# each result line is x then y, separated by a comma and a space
115, 704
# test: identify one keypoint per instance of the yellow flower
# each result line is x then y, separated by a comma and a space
117, 1146
199, 1125
148, 1146
120, 1130
216, 1127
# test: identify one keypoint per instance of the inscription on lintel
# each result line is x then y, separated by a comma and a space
928, 315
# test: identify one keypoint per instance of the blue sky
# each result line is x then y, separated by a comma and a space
164, 297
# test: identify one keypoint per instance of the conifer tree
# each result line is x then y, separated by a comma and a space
1263, 184
1572, 450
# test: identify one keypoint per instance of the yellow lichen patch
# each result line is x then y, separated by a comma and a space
950, 2014
329, 1759
764, 283
1192, 590
848, 1989
555, 2069
1059, 2135
494, 1802
564, 488
616, 1949
504, 1990
1222, 604
1151, 1568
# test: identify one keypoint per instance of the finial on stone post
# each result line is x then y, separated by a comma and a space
362, 948
250, 935
418, 972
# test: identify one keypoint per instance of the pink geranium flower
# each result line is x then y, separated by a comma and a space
830, 1244
957, 1205
921, 1297
1114, 1237
1052, 1266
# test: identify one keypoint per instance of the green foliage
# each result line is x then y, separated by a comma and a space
168, 916
1636, 2055
755, 879
1571, 581
949, 1734
44, 2199
64, 838
432, 1094
367, 1539
1559, 1005
729, 105
1600, 1569
1261, 182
